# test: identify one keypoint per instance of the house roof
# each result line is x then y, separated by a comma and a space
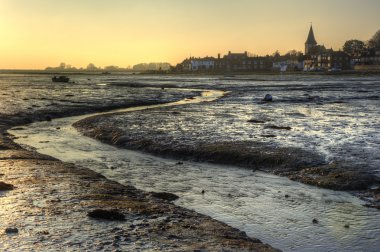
310, 38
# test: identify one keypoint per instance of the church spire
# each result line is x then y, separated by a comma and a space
310, 38
310, 43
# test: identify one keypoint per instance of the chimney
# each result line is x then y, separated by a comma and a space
218, 55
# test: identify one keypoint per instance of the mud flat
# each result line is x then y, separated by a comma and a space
49, 205
286, 214
222, 133
261, 134
50, 202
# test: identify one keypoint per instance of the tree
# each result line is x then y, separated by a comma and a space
91, 67
354, 47
374, 42
62, 66
111, 68
293, 55
276, 54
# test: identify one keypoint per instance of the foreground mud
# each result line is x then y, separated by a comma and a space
45, 203
50, 202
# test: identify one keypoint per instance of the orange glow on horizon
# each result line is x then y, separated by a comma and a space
40, 33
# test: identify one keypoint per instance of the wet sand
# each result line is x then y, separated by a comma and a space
48, 207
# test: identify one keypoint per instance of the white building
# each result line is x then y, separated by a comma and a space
199, 64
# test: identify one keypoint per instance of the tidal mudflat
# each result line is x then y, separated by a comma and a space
322, 131
314, 131
50, 205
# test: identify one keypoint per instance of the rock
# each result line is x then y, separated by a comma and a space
269, 136
5, 186
165, 196
11, 230
255, 121
106, 214
18, 128
347, 226
278, 127
179, 163
372, 206
268, 98
203, 191
173, 237
286, 196
315, 221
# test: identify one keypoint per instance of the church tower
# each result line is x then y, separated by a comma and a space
310, 42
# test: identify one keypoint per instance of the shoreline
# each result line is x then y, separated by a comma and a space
36, 174
221, 74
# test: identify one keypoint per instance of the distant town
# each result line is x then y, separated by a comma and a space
355, 55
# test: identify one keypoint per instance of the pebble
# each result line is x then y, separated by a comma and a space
106, 214
268, 98
11, 230
5, 186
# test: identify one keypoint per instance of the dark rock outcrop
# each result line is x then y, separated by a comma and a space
5, 186
165, 196
106, 215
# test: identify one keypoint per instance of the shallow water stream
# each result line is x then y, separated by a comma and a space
274, 209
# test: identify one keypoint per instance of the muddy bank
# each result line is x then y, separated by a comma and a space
50, 200
295, 163
25, 100
47, 204
283, 137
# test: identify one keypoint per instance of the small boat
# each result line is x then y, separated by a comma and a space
61, 78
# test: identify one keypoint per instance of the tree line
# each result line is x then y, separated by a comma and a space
355, 47
63, 67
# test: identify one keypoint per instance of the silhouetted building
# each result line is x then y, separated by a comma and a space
232, 62
184, 66
310, 43
318, 58
370, 57
369, 61
333, 60
202, 64
242, 62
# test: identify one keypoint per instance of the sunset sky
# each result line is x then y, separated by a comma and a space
39, 33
